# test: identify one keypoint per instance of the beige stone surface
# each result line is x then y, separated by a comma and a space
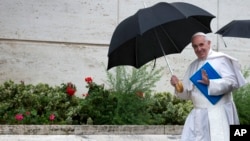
90, 132
90, 138
90, 129
64, 41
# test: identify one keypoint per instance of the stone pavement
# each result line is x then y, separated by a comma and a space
89, 137
90, 132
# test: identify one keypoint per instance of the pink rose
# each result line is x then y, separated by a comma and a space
52, 117
19, 117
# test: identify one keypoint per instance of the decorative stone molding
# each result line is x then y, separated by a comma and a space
90, 129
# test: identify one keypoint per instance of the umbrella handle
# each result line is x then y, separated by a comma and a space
164, 54
170, 69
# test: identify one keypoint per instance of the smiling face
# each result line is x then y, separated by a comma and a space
201, 46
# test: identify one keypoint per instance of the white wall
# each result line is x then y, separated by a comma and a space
58, 20
56, 41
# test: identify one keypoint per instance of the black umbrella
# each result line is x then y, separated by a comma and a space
152, 32
236, 28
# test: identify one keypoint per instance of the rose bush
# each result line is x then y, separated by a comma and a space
38, 104
128, 100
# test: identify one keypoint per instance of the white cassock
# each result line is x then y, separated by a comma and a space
208, 122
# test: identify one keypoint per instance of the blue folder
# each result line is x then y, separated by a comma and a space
212, 74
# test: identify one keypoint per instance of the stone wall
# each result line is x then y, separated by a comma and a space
90, 129
60, 41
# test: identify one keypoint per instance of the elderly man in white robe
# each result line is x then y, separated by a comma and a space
207, 121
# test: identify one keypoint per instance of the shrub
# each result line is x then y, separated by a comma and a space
128, 100
168, 109
137, 103
37, 104
99, 104
130, 80
132, 89
132, 109
242, 102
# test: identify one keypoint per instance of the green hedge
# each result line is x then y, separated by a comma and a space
37, 104
242, 102
128, 100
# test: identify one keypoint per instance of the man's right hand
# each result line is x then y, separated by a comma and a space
176, 83
174, 80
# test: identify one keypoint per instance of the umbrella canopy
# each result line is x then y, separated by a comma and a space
236, 28
164, 28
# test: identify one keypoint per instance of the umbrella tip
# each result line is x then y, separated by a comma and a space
145, 5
